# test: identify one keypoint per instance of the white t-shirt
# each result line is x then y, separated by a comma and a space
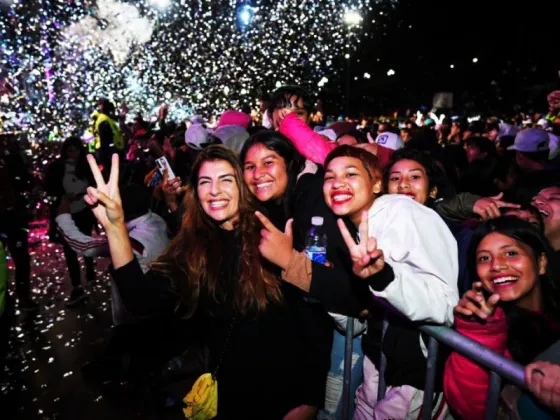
74, 185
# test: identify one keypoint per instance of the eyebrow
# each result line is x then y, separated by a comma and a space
220, 177
502, 247
410, 170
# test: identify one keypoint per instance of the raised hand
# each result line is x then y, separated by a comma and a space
171, 190
105, 200
489, 207
474, 304
276, 246
368, 259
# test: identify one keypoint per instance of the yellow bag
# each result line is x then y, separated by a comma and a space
202, 400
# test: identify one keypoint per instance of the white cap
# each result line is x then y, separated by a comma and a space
390, 140
317, 221
543, 123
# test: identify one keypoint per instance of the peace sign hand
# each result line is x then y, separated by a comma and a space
105, 200
276, 246
368, 259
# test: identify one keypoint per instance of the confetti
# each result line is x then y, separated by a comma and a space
199, 56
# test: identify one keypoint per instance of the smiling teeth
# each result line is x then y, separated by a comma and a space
503, 280
342, 197
218, 204
264, 185
544, 213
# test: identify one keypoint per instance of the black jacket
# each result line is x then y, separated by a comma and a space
266, 369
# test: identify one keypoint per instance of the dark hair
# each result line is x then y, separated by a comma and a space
455, 161
541, 156
295, 163
528, 333
281, 98
435, 174
360, 136
484, 145
108, 107
369, 160
82, 166
533, 210
190, 261
506, 141
423, 138
136, 200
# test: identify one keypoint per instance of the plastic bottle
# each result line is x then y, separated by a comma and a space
316, 242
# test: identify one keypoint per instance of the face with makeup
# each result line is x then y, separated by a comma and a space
265, 173
218, 192
409, 178
349, 188
509, 268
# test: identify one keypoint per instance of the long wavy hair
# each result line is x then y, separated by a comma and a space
193, 260
82, 167
528, 333
295, 163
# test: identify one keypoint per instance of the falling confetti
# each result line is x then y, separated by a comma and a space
62, 56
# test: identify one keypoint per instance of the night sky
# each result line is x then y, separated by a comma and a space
516, 48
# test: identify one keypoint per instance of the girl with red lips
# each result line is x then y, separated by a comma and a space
405, 255
512, 309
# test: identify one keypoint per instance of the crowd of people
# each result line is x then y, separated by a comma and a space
446, 222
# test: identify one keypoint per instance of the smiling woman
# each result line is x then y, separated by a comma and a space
218, 192
256, 328
513, 309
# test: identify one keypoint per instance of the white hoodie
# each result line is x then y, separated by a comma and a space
423, 254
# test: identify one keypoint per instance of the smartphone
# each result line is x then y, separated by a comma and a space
162, 165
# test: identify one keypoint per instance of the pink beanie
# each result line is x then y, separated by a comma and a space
234, 118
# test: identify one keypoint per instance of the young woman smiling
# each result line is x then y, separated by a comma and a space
405, 255
417, 175
512, 309
254, 325
288, 188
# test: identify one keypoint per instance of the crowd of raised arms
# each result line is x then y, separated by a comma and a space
445, 222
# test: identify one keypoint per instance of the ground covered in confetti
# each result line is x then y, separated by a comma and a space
42, 379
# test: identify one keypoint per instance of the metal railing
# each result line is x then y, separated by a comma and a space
498, 366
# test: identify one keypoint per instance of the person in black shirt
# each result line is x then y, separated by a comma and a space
213, 274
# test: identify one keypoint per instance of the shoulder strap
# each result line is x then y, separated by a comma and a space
215, 373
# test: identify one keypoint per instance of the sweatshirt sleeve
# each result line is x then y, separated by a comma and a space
458, 208
465, 383
422, 254
82, 244
308, 143
144, 294
332, 287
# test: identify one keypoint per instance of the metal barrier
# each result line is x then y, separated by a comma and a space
499, 367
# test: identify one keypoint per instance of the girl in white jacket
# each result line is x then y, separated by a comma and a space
406, 255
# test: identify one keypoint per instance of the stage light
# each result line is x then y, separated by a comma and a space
246, 15
352, 17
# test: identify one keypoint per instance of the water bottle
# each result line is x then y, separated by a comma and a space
316, 242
